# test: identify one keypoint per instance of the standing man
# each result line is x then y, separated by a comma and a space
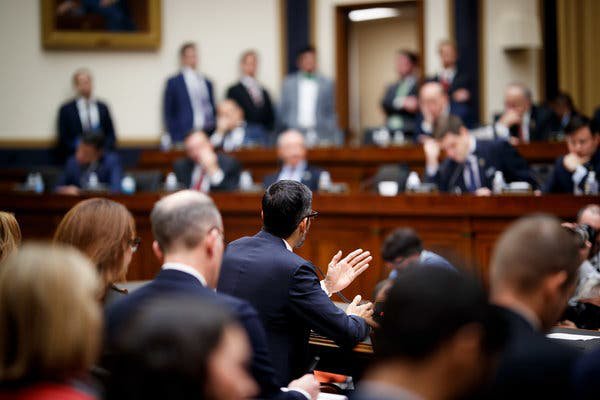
251, 96
85, 113
188, 101
285, 289
308, 103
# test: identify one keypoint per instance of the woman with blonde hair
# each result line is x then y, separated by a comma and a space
10, 234
104, 230
51, 323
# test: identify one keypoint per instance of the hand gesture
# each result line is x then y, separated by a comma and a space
208, 160
341, 272
571, 161
510, 118
432, 151
361, 310
307, 383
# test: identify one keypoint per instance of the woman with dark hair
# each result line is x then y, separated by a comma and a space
104, 230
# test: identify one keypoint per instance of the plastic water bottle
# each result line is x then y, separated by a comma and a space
165, 142
498, 182
246, 182
591, 184
35, 183
324, 181
413, 182
171, 182
93, 182
128, 185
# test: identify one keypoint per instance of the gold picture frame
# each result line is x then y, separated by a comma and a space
69, 25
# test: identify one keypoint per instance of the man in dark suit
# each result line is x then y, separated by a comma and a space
533, 272
571, 171
433, 104
562, 110
91, 168
251, 96
203, 169
291, 151
522, 121
471, 164
233, 132
188, 102
188, 234
285, 289
83, 114
430, 347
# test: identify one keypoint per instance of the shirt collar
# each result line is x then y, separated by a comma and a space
186, 269
287, 245
248, 80
472, 144
189, 71
301, 166
82, 100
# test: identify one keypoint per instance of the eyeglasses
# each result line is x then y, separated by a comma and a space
312, 215
134, 243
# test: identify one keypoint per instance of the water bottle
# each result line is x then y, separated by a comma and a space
498, 182
165, 142
246, 182
128, 185
93, 182
30, 182
591, 184
38, 183
413, 182
171, 182
324, 181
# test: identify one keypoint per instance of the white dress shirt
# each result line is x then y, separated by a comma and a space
231, 141
447, 74
186, 269
253, 88
88, 113
208, 181
197, 90
472, 160
308, 90
292, 173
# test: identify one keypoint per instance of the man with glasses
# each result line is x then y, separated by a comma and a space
285, 289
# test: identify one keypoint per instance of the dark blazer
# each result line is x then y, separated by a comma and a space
70, 127
261, 115
585, 376
310, 177
492, 155
460, 81
532, 366
177, 108
387, 103
108, 170
285, 290
560, 180
540, 124
184, 168
463, 109
177, 283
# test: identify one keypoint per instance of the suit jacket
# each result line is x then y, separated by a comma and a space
387, 103
560, 180
326, 118
262, 115
462, 109
492, 156
177, 283
70, 127
108, 170
310, 177
285, 290
184, 168
585, 376
539, 125
177, 108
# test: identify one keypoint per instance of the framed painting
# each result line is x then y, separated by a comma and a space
101, 24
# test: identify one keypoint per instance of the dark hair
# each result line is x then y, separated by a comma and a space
563, 98
164, 351
421, 295
411, 55
402, 242
94, 139
306, 49
445, 125
577, 122
284, 205
185, 46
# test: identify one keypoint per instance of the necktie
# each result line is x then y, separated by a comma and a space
472, 184
255, 94
87, 124
198, 185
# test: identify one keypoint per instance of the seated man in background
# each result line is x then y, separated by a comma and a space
91, 168
521, 121
251, 96
291, 152
571, 171
203, 169
471, 164
438, 339
400, 102
433, 104
83, 114
233, 132
562, 111
308, 103
403, 248
533, 272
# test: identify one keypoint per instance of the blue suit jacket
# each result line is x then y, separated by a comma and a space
177, 108
560, 180
109, 173
492, 156
310, 177
176, 283
285, 290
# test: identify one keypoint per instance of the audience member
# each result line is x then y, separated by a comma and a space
251, 96
203, 169
51, 324
590, 216
10, 235
233, 132
533, 272
433, 104
188, 101
403, 248
521, 121
400, 102
284, 287
562, 111
91, 168
571, 171
308, 103
182, 348
104, 230
428, 347
83, 114
471, 164
188, 233
291, 152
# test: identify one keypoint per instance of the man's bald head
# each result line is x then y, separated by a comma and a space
433, 100
291, 148
518, 98
182, 220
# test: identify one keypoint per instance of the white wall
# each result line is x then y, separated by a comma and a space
34, 82
436, 15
